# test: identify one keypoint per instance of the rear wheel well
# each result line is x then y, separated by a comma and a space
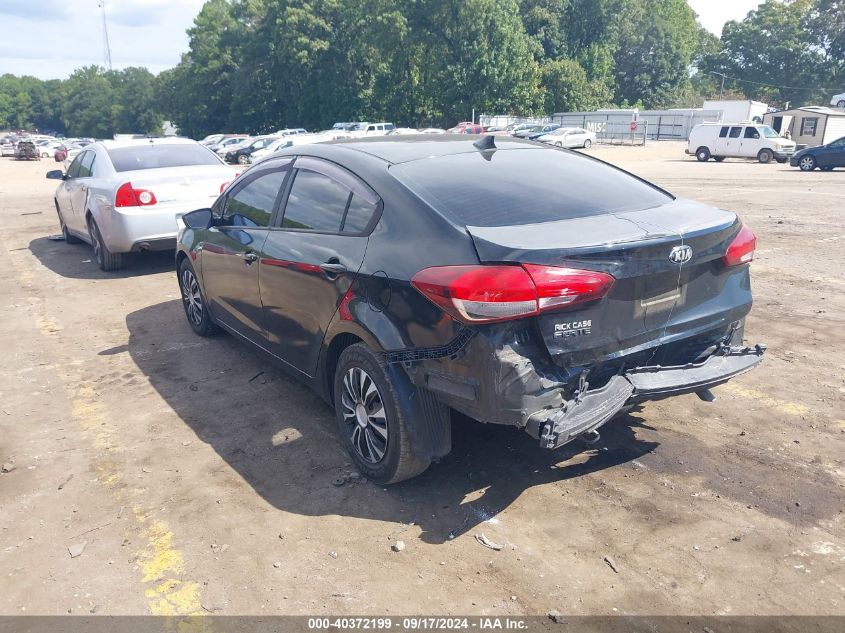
336, 347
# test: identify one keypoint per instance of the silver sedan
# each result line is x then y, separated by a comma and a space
126, 196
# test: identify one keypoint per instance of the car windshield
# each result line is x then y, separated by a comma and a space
155, 156
768, 132
524, 186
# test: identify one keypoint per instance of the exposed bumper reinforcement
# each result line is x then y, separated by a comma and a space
556, 427
653, 383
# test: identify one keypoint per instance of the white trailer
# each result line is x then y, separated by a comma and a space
735, 111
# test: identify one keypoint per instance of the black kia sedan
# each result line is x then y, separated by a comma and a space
406, 278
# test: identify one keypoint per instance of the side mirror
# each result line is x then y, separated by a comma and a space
56, 174
199, 219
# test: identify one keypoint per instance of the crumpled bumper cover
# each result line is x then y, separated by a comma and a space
587, 412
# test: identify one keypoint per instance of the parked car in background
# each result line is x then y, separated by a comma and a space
239, 154
520, 127
433, 130
536, 131
513, 283
291, 131
739, 140
7, 149
467, 127
212, 139
838, 100
377, 129
48, 148
72, 153
402, 131
125, 196
275, 146
27, 150
228, 142
825, 157
569, 137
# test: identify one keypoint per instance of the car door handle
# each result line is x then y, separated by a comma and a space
333, 268
250, 258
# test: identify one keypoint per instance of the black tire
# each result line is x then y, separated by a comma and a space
718, 159
106, 260
559, 143
193, 301
807, 163
765, 156
840, 103
377, 439
588, 144
243, 159
781, 161
702, 154
70, 238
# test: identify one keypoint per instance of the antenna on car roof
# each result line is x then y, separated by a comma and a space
485, 143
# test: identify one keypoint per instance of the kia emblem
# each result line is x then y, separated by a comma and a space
681, 254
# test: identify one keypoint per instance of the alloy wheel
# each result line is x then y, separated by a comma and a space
808, 163
364, 415
191, 297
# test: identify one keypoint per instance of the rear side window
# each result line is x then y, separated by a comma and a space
723, 132
154, 156
735, 132
524, 186
253, 204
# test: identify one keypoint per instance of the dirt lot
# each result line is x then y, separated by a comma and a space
200, 479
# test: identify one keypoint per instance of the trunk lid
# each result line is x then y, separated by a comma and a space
179, 185
654, 300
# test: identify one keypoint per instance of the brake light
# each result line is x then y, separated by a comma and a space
128, 196
741, 250
226, 184
484, 294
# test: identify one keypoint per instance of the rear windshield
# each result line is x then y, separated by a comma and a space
154, 156
524, 186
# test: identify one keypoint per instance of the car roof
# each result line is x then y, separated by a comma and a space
410, 147
137, 142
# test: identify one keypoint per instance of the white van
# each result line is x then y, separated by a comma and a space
738, 140
377, 129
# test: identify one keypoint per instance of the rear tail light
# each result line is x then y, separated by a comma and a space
226, 184
485, 294
741, 250
128, 196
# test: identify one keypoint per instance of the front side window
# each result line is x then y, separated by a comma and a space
73, 170
86, 168
735, 132
319, 202
316, 203
751, 132
808, 126
252, 205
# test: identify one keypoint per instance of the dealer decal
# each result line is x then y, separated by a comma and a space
573, 328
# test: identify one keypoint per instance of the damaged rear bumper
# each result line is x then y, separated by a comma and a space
590, 409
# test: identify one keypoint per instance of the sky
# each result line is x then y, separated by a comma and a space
50, 38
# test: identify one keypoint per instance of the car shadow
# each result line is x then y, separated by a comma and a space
76, 261
280, 437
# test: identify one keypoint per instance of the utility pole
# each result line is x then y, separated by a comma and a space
106, 46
